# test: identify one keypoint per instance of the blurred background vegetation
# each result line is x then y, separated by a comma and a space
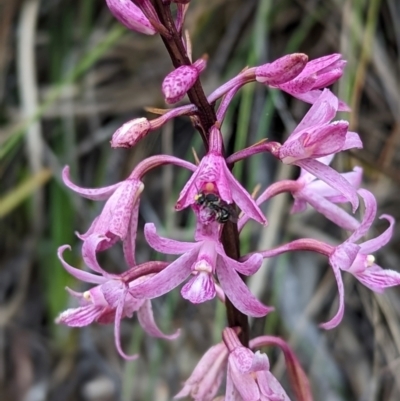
70, 75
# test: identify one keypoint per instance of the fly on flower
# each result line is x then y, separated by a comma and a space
221, 211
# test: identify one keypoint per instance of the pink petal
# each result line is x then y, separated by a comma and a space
166, 245
313, 95
244, 383
339, 314
129, 243
327, 139
369, 215
352, 141
238, 293
242, 357
248, 267
281, 70
378, 279
117, 327
89, 193
113, 291
353, 177
79, 274
344, 255
376, 243
242, 198
270, 387
89, 249
168, 279
199, 288
146, 320
322, 112
320, 63
80, 317
328, 209
332, 178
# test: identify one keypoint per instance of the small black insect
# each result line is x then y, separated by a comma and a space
221, 210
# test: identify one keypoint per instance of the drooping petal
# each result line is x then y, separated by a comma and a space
89, 193
146, 320
166, 280
339, 314
79, 274
117, 327
89, 249
166, 245
242, 198
238, 293
129, 243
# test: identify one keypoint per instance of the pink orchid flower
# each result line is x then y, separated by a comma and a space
315, 137
202, 259
316, 75
357, 259
109, 301
213, 175
249, 377
119, 217
206, 378
117, 221
307, 189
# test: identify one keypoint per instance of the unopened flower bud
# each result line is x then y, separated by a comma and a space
282, 70
130, 133
131, 16
178, 82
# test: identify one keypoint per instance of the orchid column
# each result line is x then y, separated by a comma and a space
211, 266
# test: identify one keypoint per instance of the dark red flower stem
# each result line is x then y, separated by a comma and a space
179, 57
206, 118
